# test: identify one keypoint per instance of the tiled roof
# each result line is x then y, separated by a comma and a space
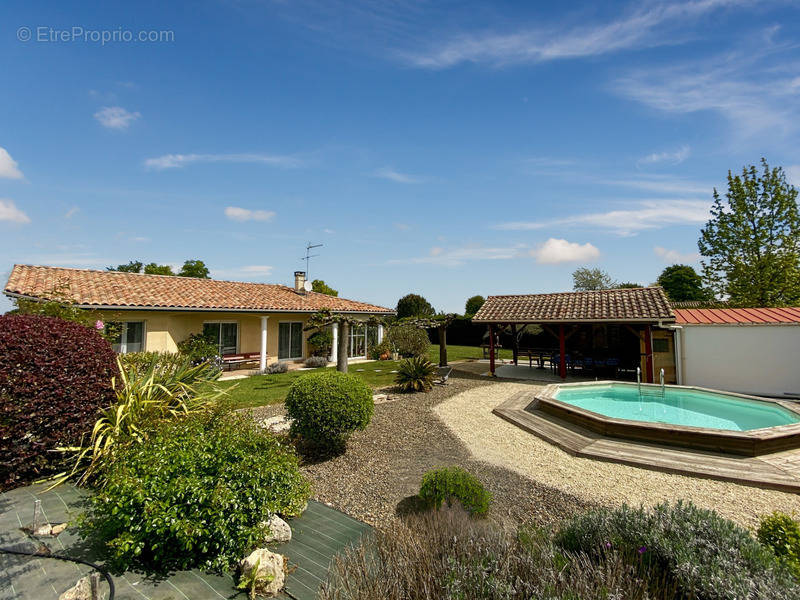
133, 290
623, 305
732, 316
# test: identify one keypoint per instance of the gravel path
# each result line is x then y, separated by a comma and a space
381, 470
488, 437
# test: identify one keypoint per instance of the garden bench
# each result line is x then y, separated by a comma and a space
231, 360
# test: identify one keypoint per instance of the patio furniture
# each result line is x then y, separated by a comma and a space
485, 348
229, 361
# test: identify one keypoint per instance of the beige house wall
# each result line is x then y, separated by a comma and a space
165, 329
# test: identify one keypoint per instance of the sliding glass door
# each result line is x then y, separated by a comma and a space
129, 337
290, 340
226, 335
358, 341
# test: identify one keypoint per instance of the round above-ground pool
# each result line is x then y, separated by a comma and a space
677, 415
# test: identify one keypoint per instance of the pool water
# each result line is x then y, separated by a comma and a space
693, 408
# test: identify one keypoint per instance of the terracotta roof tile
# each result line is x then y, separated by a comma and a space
737, 316
115, 289
631, 304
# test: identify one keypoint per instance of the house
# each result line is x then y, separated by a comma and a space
745, 350
156, 312
621, 328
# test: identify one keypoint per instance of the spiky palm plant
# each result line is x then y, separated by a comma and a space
415, 374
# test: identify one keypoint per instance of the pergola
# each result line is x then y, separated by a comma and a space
637, 309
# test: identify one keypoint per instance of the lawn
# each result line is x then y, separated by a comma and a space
261, 390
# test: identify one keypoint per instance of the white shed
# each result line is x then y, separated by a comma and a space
746, 350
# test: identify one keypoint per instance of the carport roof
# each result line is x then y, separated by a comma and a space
628, 305
737, 316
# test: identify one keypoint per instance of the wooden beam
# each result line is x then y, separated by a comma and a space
491, 350
648, 351
515, 344
562, 351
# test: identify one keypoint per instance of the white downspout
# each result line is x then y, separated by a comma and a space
262, 362
678, 353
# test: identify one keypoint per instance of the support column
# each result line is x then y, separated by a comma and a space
262, 360
344, 342
335, 344
514, 344
491, 350
380, 332
562, 353
648, 351
442, 346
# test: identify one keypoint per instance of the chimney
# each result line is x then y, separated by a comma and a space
300, 281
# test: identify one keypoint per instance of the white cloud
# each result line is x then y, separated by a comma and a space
178, 161
674, 256
649, 214
396, 176
10, 212
8, 166
402, 226
555, 251
236, 213
115, 117
71, 212
674, 158
458, 256
639, 28
257, 269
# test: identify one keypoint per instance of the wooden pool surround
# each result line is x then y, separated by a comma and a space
745, 443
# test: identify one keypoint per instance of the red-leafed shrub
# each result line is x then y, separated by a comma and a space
54, 377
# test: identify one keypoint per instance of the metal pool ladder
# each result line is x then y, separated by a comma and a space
662, 390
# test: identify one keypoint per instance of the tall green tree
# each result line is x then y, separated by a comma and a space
134, 266
751, 244
586, 279
156, 269
414, 305
682, 284
629, 285
473, 305
318, 285
194, 268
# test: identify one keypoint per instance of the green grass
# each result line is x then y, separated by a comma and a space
261, 390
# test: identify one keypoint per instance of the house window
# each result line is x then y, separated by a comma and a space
129, 338
358, 341
226, 335
290, 340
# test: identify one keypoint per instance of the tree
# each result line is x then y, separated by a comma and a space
194, 268
586, 279
473, 305
751, 244
318, 285
414, 305
154, 269
134, 266
628, 285
682, 284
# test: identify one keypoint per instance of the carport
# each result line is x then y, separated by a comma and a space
621, 328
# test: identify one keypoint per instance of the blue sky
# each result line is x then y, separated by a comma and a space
444, 148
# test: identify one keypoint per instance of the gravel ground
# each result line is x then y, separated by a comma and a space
488, 437
380, 472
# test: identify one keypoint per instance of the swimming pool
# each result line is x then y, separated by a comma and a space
678, 406
677, 416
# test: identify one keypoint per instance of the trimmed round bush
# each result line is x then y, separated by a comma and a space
454, 483
408, 340
55, 376
706, 556
327, 406
315, 362
197, 493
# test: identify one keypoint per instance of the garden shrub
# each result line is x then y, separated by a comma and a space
446, 555
454, 483
378, 351
199, 348
781, 532
316, 362
195, 494
321, 342
143, 361
415, 374
408, 340
704, 554
276, 368
55, 376
327, 406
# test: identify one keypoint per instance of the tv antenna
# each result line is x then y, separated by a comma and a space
309, 256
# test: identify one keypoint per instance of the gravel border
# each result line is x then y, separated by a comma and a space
469, 417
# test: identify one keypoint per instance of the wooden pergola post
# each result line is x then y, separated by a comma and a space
491, 350
344, 346
442, 345
515, 344
562, 352
648, 352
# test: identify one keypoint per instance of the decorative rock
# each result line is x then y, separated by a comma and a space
80, 591
277, 424
58, 528
270, 574
278, 530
